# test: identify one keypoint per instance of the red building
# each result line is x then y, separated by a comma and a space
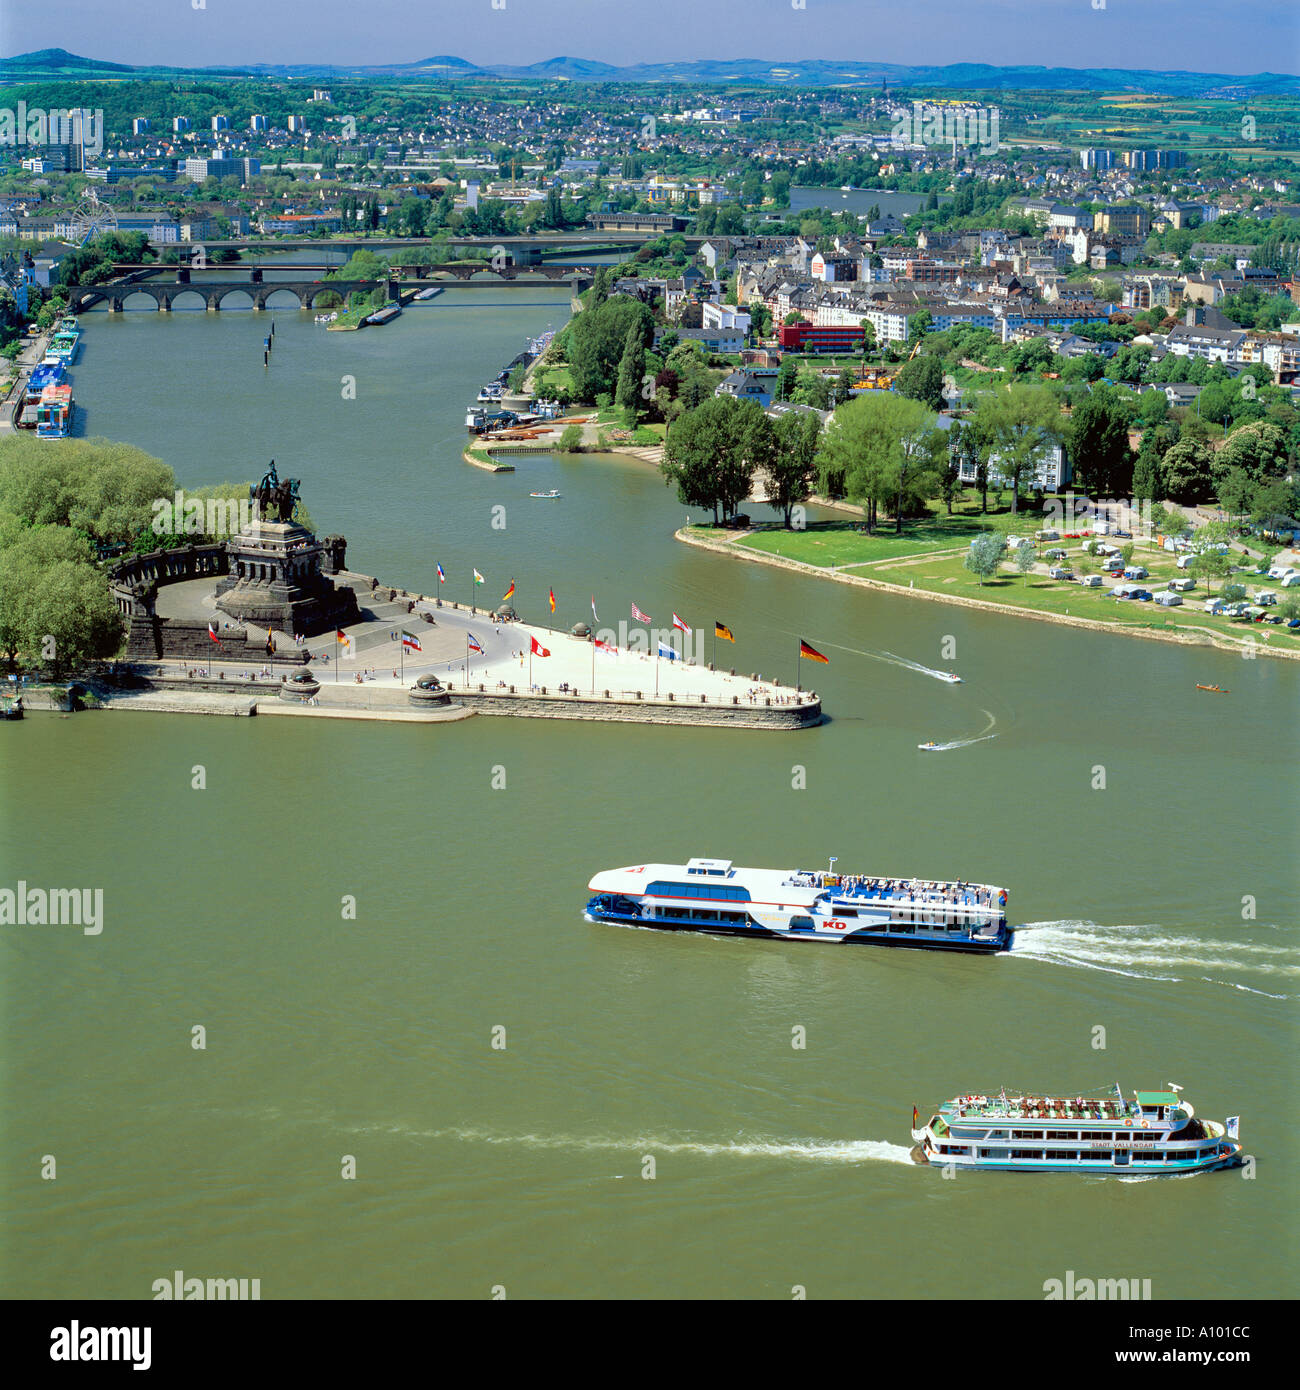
810, 337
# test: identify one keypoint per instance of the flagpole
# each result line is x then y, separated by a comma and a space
593, 663
402, 667
336, 653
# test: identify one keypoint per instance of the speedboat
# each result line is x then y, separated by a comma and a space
548, 495
1218, 689
927, 747
949, 677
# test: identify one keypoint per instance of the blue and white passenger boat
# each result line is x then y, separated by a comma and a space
1155, 1132
713, 896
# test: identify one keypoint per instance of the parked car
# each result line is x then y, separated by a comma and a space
1142, 595
1292, 622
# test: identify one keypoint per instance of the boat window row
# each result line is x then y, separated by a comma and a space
700, 914
726, 892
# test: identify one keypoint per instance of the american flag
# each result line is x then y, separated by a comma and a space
640, 616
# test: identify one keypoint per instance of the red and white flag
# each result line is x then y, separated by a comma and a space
594, 618
212, 632
680, 626
536, 649
607, 647
640, 616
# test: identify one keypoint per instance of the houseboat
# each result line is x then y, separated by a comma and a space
44, 375
54, 412
715, 897
65, 341
1154, 1132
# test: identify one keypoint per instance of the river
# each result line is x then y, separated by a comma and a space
1162, 909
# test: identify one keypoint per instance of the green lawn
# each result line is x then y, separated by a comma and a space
839, 543
929, 555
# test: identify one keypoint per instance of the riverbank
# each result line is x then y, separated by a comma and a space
1254, 641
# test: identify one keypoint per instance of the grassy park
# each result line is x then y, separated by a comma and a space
930, 552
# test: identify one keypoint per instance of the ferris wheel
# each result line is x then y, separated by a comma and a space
91, 218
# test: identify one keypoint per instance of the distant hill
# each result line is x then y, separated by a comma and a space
816, 72
55, 60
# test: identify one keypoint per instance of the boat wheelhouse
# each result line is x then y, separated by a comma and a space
1156, 1132
718, 898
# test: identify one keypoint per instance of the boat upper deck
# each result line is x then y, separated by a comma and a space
954, 892
1071, 1108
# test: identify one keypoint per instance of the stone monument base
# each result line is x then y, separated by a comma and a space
275, 581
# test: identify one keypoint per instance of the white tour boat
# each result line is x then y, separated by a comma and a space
714, 896
1155, 1132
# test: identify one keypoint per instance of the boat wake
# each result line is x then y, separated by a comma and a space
916, 666
983, 736
815, 1150
1151, 953
890, 659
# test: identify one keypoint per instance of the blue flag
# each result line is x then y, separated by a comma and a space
667, 651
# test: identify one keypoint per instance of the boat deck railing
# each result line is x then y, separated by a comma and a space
949, 894
1047, 1108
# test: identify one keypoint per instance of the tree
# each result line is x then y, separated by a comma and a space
985, 555
1024, 561
1210, 564
709, 452
786, 376
1259, 449
922, 380
1186, 469
55, 604
1147, 481
631, 371
571, 439
1098, 442
868, 338
789, 471
883, 449
596, 341
1015, 426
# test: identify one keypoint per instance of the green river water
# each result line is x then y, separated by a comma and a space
524, 1166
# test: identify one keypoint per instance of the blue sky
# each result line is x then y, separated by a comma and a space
1199, 35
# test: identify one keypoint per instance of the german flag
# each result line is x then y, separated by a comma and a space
509, 593
723, 631
812, 653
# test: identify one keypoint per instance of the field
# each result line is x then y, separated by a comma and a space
929, 555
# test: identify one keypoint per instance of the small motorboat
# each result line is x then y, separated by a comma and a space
1218, 689
549, 496
930, 747
949, 677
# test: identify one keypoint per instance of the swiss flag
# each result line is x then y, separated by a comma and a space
537, 649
